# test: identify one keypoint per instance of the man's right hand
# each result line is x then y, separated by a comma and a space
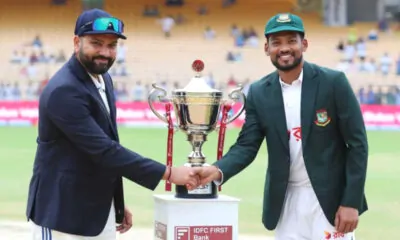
188, 176
209, 174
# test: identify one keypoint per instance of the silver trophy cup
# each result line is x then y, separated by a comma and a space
197, 109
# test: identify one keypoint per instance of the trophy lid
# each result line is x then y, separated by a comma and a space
198, 84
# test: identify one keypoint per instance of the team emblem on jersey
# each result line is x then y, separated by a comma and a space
322, 118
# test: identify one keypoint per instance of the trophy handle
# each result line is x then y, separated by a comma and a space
161, 94
237, 95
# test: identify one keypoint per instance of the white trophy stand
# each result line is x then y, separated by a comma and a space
196, 219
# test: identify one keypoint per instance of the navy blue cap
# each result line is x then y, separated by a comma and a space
89, 16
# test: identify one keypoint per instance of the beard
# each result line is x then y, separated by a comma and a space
285, 68
95, 68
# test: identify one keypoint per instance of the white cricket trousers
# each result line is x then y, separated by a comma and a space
109, 232
302, 218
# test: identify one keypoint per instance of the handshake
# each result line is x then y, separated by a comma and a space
192, 177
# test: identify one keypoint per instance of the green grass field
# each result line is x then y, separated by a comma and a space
17, 149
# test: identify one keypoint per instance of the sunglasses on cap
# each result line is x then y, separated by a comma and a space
103, 24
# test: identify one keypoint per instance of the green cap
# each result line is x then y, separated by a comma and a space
284, 22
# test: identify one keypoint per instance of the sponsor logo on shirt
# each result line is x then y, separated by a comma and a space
295, 133
333, 235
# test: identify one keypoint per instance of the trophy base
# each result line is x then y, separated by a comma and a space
208, 191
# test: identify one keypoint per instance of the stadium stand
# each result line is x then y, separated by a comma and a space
150, 55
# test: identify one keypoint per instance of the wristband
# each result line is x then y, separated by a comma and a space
170, 173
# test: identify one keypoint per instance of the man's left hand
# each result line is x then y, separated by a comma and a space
346, 219
126, 223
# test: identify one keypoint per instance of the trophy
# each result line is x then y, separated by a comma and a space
197, 109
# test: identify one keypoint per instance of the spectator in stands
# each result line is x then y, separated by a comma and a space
167, 23
379, 96
234, 57
232, 82
240, 40
24, 58
7, 92
59, 2
383, 24
123, 72
361, 95
121, 92
238, 57
386, 95
252, 32
33, 58
385, 64
349, 51
164, 83
175, 2
15, 57
121, 53
11, 92
346, 65
391, 96
373, 35
234, 31
155, 11
245, 34
31, 71
361, 48
31, 92
2, 91
370, 96
151, 11
210, 80
366, 66
16, 92
202, 10
362, 65
42, 58
52, 58
37, 42
209, 33
340, 47
180, 19
61, 58
397, 90
146, 10
252, 39
138, 92
230, 57
119, 70
371, 66
227, 3
352, 36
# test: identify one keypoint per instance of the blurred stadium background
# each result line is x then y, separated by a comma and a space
359, 37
